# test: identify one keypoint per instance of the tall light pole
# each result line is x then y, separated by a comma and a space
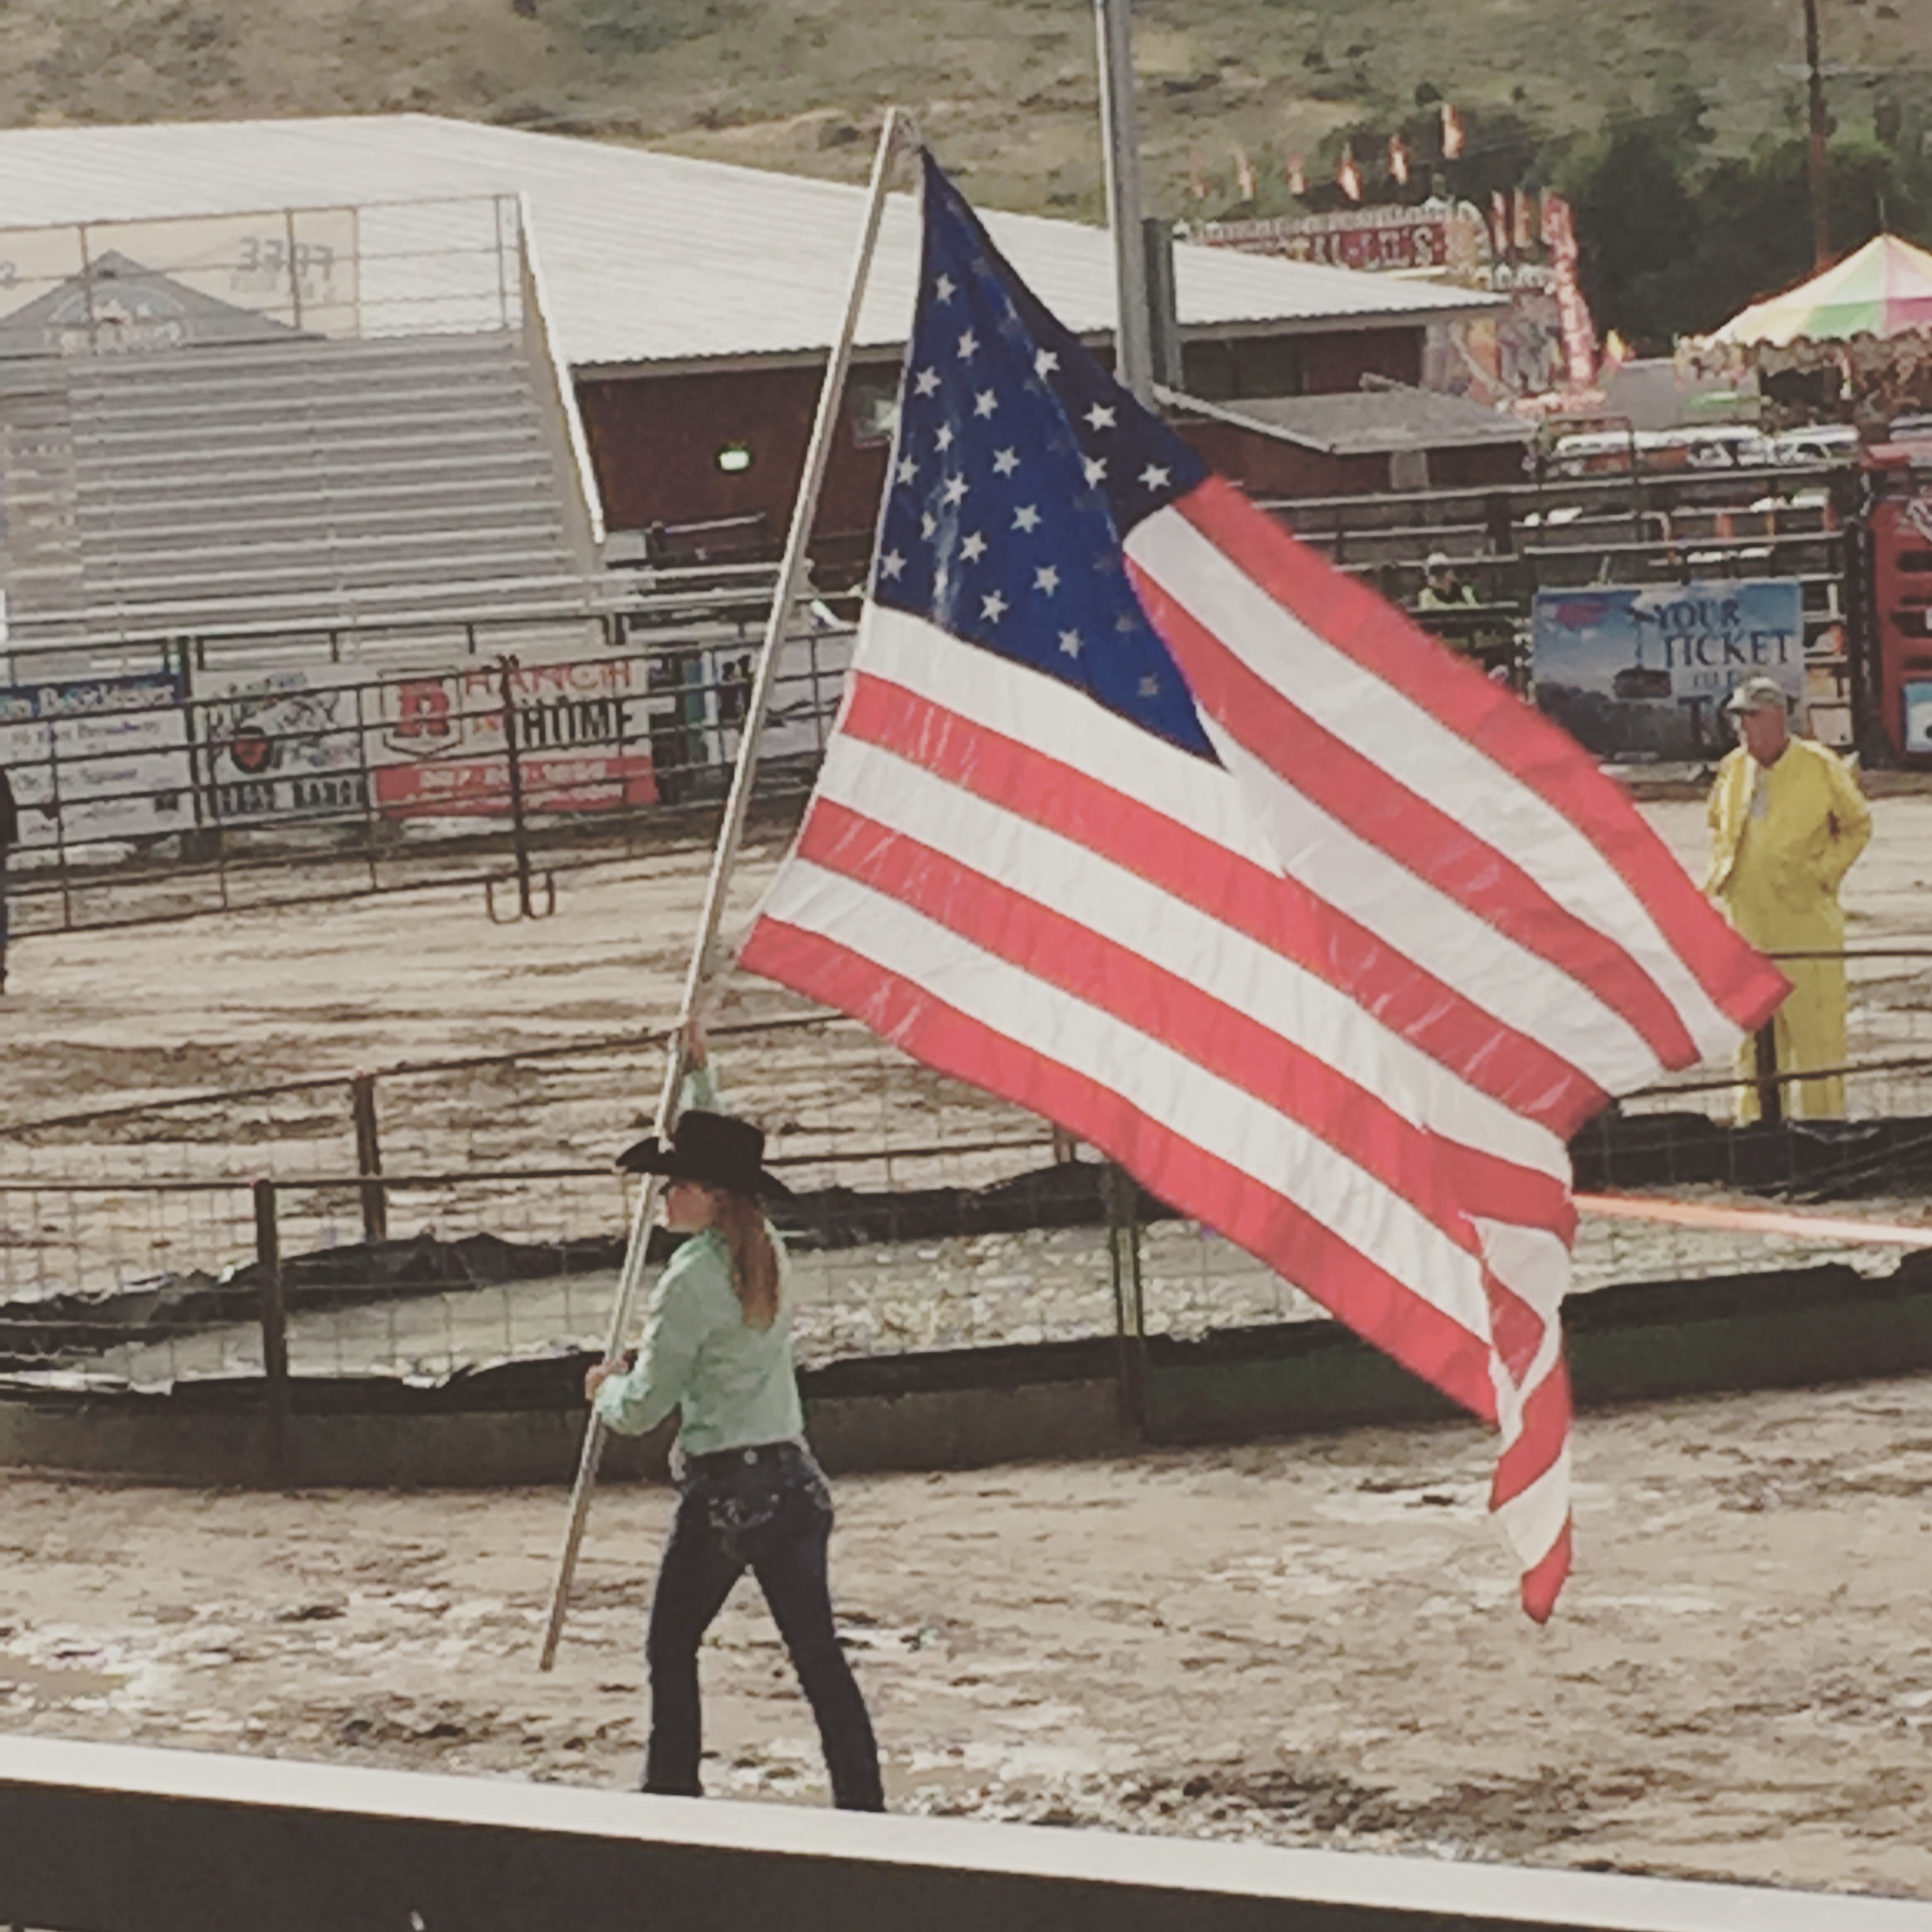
1821, 212
1120, 131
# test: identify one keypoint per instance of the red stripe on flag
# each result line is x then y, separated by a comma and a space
1500, 1190
1543, 1582
1369, 799
1379, 1307
1523, 1073
1539, 755
1158, 1004
1545, 1429
1517, 1329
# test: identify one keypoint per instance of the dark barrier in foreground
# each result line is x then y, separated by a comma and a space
98, 1838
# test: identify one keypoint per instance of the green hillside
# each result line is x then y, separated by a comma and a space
1005, 88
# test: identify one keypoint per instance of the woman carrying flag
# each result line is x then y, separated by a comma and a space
716, 1345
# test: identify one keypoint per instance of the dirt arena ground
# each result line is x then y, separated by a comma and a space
97, 1018
1310, 1642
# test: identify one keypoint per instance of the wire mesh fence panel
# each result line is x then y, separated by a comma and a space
299, 1126
303, 766
469, 1213
1193, 1281
1887, 1048
122, 1282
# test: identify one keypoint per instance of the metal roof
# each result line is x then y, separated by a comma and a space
651, 257
1377, 421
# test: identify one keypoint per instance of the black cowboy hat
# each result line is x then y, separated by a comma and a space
717, 1149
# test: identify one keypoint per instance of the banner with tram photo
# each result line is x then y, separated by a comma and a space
1641, 673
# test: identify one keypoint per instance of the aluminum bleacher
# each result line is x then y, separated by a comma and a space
175, 464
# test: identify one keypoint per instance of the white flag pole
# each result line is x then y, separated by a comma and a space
791, 579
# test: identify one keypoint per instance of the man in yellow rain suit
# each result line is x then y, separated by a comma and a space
1787, 821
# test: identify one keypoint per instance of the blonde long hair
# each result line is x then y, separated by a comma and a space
754, 1259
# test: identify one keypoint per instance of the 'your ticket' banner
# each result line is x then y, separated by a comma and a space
1643, 672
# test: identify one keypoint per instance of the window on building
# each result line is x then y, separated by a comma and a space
872, 405
1223, 372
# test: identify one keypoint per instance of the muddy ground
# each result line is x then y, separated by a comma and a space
1307, 1643
1312, 1642
97, 1018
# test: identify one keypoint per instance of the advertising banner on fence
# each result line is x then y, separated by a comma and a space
282, 744
110, 755
584, 732
1918, 718
1643, 672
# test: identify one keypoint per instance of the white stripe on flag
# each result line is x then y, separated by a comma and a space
1489, 969
1533, 1519
1418, 752
1183, 938
1033, 709
1222, 1120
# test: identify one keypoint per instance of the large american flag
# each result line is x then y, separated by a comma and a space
1142, 816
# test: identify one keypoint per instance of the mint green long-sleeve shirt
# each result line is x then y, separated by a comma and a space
735, 1384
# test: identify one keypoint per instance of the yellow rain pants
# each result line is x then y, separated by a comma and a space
1782, 837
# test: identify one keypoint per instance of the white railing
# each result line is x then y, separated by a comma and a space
382, 269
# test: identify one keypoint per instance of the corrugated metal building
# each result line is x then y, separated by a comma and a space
694, 301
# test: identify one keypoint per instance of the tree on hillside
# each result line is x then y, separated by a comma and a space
1674, 244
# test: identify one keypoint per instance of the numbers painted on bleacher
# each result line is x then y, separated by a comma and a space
262, 267
9, 274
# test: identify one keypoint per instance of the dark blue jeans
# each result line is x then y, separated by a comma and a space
765, 1509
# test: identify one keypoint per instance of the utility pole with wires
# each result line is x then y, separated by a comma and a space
1121, 133
1815, 83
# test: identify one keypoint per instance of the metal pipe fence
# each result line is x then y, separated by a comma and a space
212, 787
1510, 541
268, 276
428, 1218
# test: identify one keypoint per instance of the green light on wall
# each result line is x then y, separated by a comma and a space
735, 457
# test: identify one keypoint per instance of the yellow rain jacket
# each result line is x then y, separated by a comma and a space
1782, 837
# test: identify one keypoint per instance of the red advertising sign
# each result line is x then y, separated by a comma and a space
1367, 238
583, 737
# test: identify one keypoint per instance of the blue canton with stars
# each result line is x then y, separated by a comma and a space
1018, 467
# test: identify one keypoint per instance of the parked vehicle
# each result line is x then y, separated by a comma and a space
1609, 453
1824, 442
